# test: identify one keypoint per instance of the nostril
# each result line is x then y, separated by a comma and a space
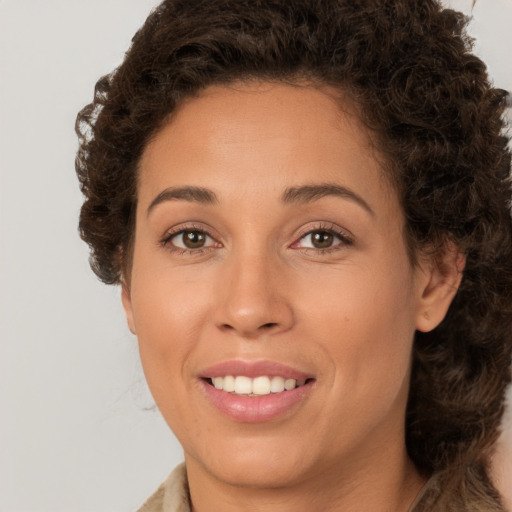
268, 325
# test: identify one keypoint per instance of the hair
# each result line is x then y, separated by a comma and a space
408, 66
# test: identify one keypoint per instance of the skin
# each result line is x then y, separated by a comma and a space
261, 290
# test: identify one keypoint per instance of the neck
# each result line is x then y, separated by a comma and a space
390, 483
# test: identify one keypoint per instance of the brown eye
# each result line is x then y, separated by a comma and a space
191, 239
321, 239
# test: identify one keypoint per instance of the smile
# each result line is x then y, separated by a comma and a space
257, 391
259, 386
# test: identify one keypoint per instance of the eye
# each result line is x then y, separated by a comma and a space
322, 239
190, 239
318, 240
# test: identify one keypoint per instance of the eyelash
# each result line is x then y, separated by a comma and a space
331, 229
345, 238
166, 241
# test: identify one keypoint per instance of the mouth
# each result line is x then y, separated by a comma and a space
262, 385
255, 392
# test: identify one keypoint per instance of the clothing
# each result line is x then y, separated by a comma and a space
173, 495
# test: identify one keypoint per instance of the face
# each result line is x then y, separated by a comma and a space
271, 291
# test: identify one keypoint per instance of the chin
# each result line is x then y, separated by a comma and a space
258, 464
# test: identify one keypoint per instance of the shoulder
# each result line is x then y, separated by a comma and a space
171, 496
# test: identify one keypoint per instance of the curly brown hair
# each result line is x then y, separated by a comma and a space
438, 120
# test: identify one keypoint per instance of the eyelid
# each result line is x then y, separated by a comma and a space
344, 235
166, 240
346, 238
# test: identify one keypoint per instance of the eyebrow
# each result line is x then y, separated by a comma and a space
302, 194
189, 193
311, 193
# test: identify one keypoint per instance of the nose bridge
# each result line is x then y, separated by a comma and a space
254, 299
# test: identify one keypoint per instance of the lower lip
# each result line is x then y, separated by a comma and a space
256, 409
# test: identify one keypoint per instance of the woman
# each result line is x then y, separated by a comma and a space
307, 207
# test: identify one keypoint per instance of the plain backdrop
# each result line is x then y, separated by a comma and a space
78, 430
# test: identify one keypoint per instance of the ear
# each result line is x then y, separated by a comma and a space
441, 274
126, 299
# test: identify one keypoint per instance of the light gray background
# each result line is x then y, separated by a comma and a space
76, 434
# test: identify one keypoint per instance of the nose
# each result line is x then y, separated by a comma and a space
254, 300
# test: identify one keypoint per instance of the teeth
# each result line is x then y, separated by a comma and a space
241, 385
277, 385
229, 384
261, 386
289, 384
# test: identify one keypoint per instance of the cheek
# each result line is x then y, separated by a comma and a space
170, 313
168, 323
366, 318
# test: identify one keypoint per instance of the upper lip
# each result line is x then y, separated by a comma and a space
254, 369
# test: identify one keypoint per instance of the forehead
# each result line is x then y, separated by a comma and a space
265, 133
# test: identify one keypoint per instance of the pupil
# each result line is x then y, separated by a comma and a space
322, 239
193, 239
